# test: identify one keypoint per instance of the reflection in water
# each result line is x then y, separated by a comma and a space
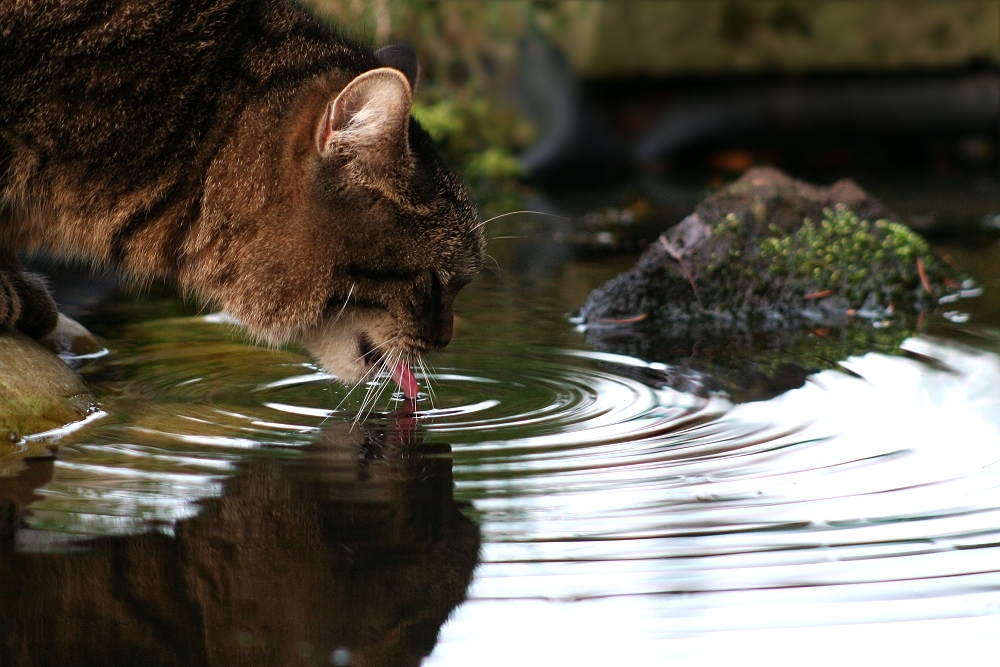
869, 496
746, 365
234, 519
353, 552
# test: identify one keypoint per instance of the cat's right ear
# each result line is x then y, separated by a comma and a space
370, 116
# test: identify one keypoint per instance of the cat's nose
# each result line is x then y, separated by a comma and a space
445, 329
444, 323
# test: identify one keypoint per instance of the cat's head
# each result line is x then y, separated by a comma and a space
371, 237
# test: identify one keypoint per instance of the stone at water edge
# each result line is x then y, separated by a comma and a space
747, 297
38, 392
72, 338
772, 251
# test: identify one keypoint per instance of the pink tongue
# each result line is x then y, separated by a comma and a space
403, 376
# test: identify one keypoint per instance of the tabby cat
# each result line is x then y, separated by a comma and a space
243, 150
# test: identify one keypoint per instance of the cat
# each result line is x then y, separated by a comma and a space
243, 150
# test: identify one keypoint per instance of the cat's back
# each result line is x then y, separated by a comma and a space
84, 78
264, 40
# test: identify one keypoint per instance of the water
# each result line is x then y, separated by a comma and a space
550, 505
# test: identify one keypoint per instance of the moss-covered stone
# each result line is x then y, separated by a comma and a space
877, 267
771, 274
772, 252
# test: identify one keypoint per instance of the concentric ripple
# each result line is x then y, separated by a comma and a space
865, 497
179, 417
610, 509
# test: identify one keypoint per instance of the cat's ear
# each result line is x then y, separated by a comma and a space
370, 115
403, 58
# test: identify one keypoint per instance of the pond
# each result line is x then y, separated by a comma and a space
546, 504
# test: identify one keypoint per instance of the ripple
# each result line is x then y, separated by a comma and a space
870, 494
878, 485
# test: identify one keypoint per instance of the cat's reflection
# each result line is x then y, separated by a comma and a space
352, 553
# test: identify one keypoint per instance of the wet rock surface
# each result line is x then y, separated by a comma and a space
38, 390
71, 339
758, 274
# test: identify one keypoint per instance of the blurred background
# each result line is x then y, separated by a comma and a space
632, 110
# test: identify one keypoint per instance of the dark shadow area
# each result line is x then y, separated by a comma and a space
864, 125
815, 125
745, 365
352, 551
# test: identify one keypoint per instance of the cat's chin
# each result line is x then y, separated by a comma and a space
352, 348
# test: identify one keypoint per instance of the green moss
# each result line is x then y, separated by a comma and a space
873, 266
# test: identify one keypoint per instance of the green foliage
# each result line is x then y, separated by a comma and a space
476, 135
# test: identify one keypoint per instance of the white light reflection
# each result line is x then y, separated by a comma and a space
300, 410
296, 380
767, 533
621, 631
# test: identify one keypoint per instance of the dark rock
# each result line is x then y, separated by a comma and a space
71, 339
765, 196
770, 279
769, 251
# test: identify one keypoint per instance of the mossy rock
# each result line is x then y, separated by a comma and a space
770, 252
38, 392
771, 273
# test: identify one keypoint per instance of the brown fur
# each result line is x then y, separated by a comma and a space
210, 143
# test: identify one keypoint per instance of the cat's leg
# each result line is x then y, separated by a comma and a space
10, 303
25, 302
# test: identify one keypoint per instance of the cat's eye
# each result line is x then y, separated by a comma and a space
436, 287
428, 283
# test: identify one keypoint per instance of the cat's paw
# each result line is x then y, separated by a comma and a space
25, 303
39, 314
10, 302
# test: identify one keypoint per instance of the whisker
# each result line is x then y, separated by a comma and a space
349, 293
504, 215
430, 386
384, 365
382, 380
372, 384
356, 385
377, 369
388, 384
499, 271
385, 385
427, 379
385, 342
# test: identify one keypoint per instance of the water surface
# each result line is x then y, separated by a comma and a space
551, 502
